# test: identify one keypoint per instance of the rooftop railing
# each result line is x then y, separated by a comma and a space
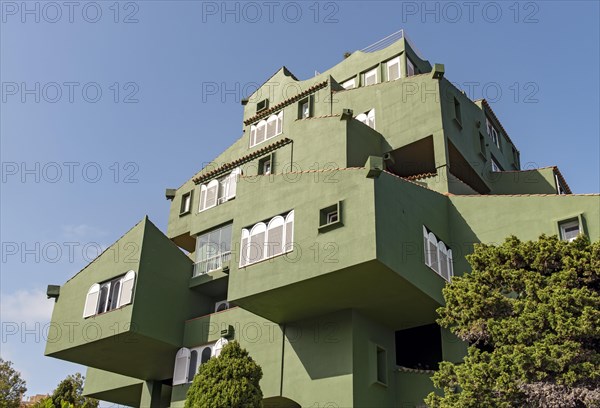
389, 40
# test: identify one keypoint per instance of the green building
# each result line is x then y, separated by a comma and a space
320, 240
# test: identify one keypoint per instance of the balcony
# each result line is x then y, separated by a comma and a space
211, 264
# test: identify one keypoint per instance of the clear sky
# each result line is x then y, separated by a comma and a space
105, 104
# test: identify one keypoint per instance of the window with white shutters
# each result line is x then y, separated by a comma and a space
266, 129
370, 77
368, 118
222, 342
349, 84
182, 366
267, 239
127, 288
437, 255
109, 295
219, 191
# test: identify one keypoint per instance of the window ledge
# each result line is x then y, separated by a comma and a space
181, 214
330, 226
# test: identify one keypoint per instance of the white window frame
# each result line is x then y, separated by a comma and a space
349, 84
369, 74
389, 64
212, 261
261, 129
492, 132
495, 166
255, 250
563, 226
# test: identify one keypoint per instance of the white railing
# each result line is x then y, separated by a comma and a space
211, 264
390, 39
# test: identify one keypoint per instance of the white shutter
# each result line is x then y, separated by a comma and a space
433, 258
219, 346
362, 118
371, 118
426, 246
244, 247
410, 68
261, 130
272, 126
182, 366
393, 67
127, 289
275, 236
252, 135
450, 265
289, 232
233, 179
280, 122
212, 190
443, 260
202, 198
257, 252
91, 301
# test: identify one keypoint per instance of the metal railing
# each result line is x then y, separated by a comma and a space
390, 39
211, 264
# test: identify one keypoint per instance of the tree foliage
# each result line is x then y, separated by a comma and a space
69, 394
229, 380
531, 314
12, 386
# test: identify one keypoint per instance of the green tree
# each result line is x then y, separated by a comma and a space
12, 386
531, 314
68, 394
230, 380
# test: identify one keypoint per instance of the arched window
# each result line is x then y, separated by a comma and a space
193, 365
182, 366
244, 247
433, 258
91, 300
206, 354
202, 204
127, 289
275, 236
256, 252
272, 126
103, 298
219, 346
289, 232
212, 190
443, 260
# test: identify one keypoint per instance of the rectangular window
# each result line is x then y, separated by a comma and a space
492, 132
495, 166
265, 165
569, 230
349, 84
186, 203
330, 217
482, 145
393, 69
370, 77
262, 105
457, 114
410, 68
212, 249
381, 366
304, 110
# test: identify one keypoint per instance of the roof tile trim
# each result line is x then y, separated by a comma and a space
286, 102
244, 159
493, 115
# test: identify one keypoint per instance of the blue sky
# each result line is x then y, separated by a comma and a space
82, 167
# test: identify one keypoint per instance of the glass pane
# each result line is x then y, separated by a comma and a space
226, 238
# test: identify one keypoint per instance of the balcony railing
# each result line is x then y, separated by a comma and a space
211, 264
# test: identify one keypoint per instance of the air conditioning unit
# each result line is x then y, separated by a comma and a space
222, 305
